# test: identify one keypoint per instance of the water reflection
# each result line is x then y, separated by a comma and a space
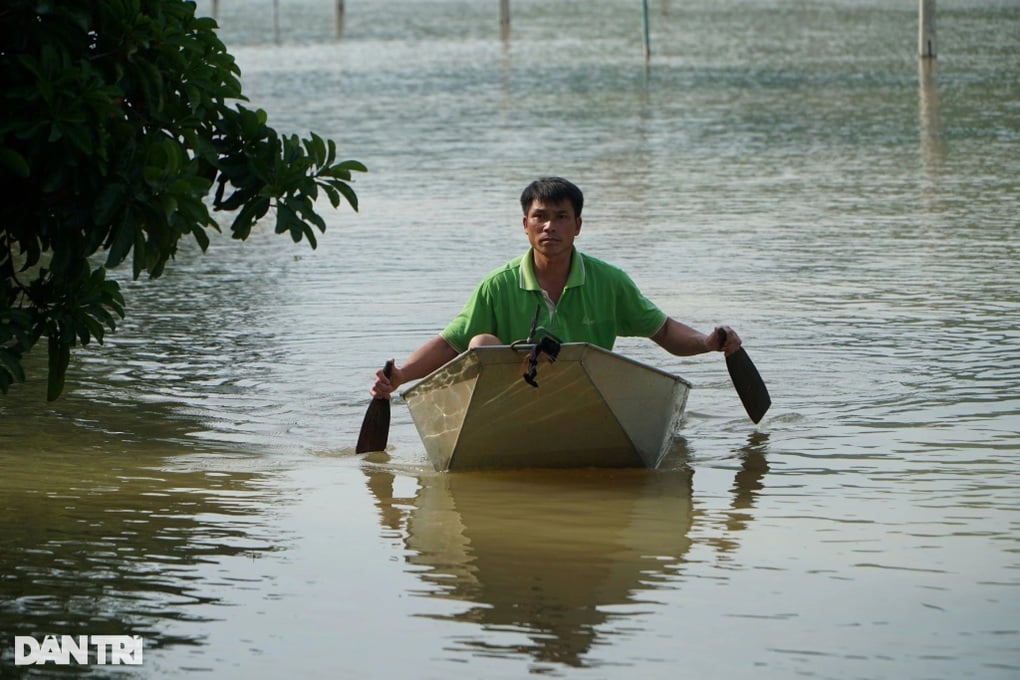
929, 123
747, 486
551, 563
748, 481
123, 543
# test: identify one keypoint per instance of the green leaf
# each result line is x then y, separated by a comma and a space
14, 161
59, 358
348, 193
109, 203
10, 363
201, 237
250, 213
123, 240
140, 262
332, 194
354, 166
287, 220
316, 149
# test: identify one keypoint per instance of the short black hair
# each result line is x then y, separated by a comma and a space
552, 190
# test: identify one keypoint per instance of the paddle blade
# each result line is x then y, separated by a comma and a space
749, 385
375, 428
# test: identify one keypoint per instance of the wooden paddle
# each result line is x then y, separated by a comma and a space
375, 428
748, 383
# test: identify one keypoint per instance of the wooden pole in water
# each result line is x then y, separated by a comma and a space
504, 19
339, 18
644, 29
276, 21
926, 29
215, 9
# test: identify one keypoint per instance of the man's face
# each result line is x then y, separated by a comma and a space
552, 227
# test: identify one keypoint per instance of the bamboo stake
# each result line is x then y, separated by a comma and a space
276, 21
340, 10
644, 29
926, 29
504, 20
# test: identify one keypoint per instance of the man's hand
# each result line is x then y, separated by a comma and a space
723, 339
385, 385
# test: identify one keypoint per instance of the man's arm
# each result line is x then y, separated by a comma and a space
682, 340
422, 361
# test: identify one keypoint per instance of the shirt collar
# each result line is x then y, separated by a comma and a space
528, 280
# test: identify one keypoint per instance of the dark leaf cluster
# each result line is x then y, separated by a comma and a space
122, 126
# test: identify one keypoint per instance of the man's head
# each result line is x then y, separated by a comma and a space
552, 217
552, 190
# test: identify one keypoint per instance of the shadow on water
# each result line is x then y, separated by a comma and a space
550, 564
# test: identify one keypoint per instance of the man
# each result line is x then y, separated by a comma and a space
577, 298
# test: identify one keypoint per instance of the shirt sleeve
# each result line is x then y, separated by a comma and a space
637, 316
476, 317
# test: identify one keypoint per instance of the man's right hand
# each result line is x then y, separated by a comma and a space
422, 361
384, 386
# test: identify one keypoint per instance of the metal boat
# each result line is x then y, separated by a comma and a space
516, 406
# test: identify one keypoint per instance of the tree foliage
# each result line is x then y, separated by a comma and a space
122, 126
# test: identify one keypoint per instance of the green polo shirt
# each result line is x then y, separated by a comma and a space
599, 304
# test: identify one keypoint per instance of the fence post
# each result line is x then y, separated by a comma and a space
276, 21
644, 29
504, 19
926, 29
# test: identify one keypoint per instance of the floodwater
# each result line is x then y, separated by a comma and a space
786, 167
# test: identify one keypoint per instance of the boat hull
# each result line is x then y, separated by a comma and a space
592, 408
